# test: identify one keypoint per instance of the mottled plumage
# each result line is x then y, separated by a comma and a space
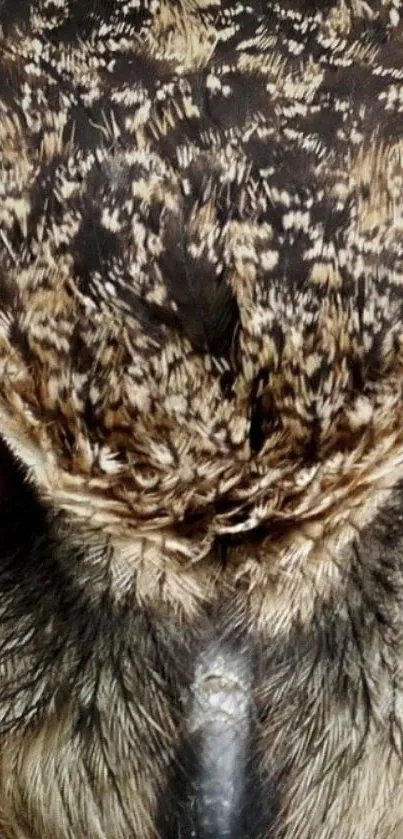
201, 372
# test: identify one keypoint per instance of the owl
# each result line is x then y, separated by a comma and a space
201, 419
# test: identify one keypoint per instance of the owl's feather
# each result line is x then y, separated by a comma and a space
201, 363
201, 224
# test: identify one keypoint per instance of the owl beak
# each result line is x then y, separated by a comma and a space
219, 724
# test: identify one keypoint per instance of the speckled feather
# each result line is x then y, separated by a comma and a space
201, 344
201, 255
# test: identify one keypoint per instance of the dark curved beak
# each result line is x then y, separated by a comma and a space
220, 721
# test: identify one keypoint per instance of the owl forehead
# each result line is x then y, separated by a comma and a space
260, 155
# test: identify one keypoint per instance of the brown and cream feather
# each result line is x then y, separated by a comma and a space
201, 376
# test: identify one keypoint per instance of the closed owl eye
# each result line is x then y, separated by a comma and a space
21, 513
11, 478
3, 476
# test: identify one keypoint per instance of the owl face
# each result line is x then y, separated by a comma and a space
200, 419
